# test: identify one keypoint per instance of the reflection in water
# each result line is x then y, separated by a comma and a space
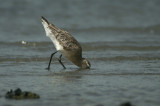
69, 74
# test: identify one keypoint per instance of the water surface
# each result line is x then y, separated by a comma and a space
120, 39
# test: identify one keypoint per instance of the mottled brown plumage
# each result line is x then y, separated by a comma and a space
65, 43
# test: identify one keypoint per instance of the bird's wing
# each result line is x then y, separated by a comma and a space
66, 40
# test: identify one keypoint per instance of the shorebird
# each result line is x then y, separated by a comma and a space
66, 44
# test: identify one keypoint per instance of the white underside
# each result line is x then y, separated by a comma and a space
52, 37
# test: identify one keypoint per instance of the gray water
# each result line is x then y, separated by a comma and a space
121, 38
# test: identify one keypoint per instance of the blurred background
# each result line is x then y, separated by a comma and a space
20, 19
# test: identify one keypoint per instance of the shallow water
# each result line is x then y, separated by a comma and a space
120, 38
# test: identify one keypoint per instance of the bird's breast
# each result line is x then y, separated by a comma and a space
74, 56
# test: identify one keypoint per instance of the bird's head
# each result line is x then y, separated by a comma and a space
85, 63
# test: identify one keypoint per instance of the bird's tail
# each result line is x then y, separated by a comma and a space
46, 24
44, 20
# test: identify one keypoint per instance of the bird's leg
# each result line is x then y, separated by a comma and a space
51, 60
61, 61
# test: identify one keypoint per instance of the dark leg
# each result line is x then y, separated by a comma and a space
51, 60
61, 61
